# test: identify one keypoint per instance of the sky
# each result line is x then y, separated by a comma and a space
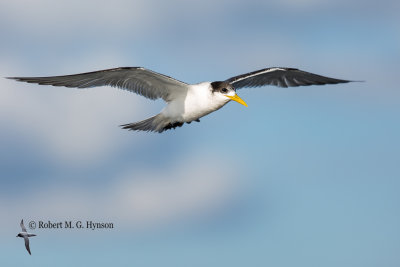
305, 176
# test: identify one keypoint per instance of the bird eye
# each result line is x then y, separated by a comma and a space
224, 90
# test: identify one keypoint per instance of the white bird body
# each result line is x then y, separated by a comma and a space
196, 103
185, 102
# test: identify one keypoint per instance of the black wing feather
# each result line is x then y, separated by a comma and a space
144, 82
282, 77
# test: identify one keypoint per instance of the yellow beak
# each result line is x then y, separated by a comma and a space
237, 99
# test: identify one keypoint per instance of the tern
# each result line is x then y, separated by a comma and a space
25, 235
185, 102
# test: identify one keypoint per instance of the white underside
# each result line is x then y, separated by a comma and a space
197, 102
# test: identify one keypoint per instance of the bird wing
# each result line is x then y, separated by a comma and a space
282, 77
22, 226
27, 244
139, 80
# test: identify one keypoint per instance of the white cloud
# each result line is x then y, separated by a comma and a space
145, 199
79, 15
75, 126
190, 189
58, 20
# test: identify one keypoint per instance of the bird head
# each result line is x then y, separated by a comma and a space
226, 92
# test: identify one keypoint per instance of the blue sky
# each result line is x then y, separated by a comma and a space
305, 176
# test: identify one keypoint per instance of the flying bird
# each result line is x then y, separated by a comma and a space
185, 102
25, 235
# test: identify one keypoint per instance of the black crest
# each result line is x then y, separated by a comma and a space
218, 86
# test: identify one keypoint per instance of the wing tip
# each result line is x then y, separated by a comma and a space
349, 81
21, 79
12, 78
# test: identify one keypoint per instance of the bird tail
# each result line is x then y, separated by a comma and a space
157, 123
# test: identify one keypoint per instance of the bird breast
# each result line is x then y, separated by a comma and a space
196, 103
200, 101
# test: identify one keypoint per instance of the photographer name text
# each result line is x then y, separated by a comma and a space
70, 225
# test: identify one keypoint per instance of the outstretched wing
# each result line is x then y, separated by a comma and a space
22, 226
282, 77
27, 244
139, 80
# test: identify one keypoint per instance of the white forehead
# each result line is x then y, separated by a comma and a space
231, 92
